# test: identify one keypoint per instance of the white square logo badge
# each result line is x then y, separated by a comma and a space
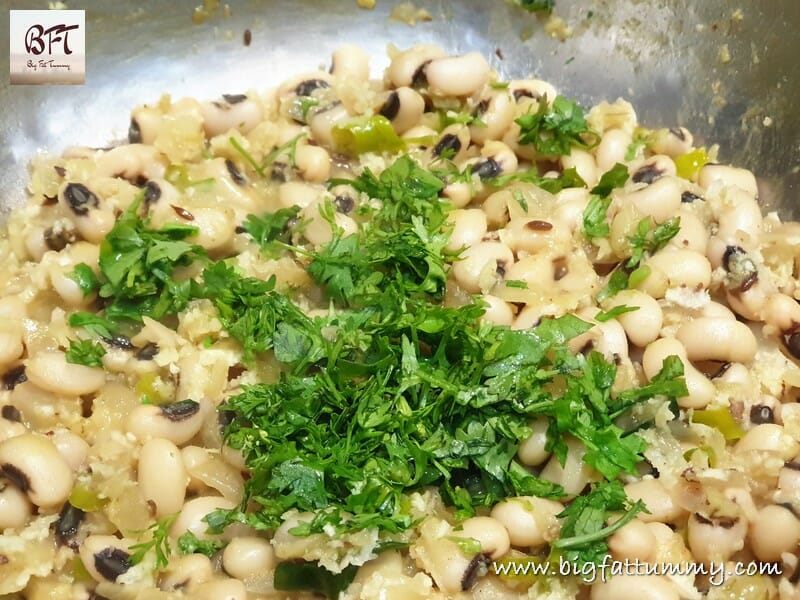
48, 46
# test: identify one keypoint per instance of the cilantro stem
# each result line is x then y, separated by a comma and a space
600, 534
246, 156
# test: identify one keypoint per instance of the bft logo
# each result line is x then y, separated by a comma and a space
47, 46
36, 36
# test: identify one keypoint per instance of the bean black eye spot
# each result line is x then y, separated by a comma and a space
180, 411
152, 192
391, 107
449, 144
112, 562
647, 174
11, 413
307, 87
689, 197
134, 133
234, 98
761, 413
234, 172
80, 198
487, 169
344, 204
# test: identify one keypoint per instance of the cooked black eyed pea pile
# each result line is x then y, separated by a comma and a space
362, 338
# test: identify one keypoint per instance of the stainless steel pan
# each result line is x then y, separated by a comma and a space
665, 56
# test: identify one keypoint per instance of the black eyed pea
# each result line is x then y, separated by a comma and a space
728, 176
571, 203
73, 448
33, 464
177, 422
323, 121
574, 474
742, 217
233, 457
535, 235
220, 589
536, 270
404, 108
208, 471
145, 124
50, 371
789, 479
297, 193
248, 556
96, 223
642, 326
64, 285
216, 227
530, 521
692, 234
701, 390
221, 116
749, 303
162, 476
469, 227
132, 162
634, 540
714, 338
672, 268
495, 118
459, 193
15, 508
774, 531
480, 266
457, 75
672, 142
186, 572
768, 437
452, 143
11, 343
105, 557
635, 587
782, 312
534, 89
13, 307
612, 148
531, 316
662, 507
532, 452
717, 311
448, 565
653, 169
496, 207
501, 154
608, 338
408, 67
350, 61
318, 230
583, 162
715, 539
498, 311
192, 513
314, 163
659, 200
491, 533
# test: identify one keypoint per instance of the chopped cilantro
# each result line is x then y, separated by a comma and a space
85, 277
594, 217
583, 533
513, 283
137, 263
85, 352
555, 130
189, 543
536, 5
158, 543
615, 177
270, 227
615, 312
311, 577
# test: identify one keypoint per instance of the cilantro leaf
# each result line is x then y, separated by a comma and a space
94, 324
85, 352
85, 277
158, 543
536, 5
615, 177
594, 217
189, 543
137, 263
311, 577
583, 533
615, 312
554, 130
270, 227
